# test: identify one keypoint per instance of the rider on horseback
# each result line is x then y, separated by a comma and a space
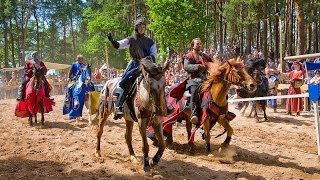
139, 47
74, 73
28, 74
194, 64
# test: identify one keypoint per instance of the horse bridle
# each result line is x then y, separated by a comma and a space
227, 75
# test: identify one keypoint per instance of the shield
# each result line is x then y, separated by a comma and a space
314, 92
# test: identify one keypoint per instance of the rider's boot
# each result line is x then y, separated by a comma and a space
118, 113
194, 116
21, 92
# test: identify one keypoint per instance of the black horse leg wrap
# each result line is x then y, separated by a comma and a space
146, 160
227, 140
157, 157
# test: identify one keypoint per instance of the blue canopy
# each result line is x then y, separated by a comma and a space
312, 66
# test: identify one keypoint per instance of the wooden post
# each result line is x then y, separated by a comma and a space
317, 123
280, 46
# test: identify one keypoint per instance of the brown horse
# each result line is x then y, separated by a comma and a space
35, 100
214, 103
148, 104
221, 77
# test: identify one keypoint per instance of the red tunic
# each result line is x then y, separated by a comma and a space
294, 104
202, 59
28, 68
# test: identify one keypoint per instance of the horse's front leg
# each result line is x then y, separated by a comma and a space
253, 107
264, 105
128, 137
206, 128
30, 120
88, 106
191, 144
102, 120
246, 104
157, 126
145, 146
225, 123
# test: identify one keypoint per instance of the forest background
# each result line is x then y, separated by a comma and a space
61, 29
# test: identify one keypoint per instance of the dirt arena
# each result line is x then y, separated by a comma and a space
282, 148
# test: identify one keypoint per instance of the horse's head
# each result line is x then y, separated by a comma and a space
232, 71
38, 77
154, 84
254, 68
86, 74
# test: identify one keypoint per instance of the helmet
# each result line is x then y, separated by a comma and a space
34, 53
139, 21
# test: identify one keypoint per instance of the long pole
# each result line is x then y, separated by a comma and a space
280, 46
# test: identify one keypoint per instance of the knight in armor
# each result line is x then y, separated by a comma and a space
139, 47
194, 65
74, 73
28, 74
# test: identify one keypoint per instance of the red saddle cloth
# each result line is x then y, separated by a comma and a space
178, 91
31, 104
210, 108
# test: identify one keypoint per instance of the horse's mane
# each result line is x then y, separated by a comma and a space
151, 67
214, 69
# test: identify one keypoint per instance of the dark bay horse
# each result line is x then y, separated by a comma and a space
214, 101
148, 106
255, 68
35, 100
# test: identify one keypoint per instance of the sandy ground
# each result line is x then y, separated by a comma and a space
282, 148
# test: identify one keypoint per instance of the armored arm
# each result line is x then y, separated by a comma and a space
190, 68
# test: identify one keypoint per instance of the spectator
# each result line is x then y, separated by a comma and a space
97, 74
273, 83
296, 80
316, 78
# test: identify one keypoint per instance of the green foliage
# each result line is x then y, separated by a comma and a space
111, 16
240, 13
175, 22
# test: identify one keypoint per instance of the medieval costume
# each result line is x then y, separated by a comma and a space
28, 74
139, 47
295, 77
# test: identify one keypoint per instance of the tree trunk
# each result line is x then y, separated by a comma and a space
271, 34
287, 39
65, 39
258, 36
301, 27
73, 37
221, 33
265, 30
316, 37
248, 39
6, 44
25, 15
12, 45
276, 32
37, 27
206, 27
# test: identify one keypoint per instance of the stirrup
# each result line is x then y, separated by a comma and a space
118, 113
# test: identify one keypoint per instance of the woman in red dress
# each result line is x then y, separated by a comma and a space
296, 78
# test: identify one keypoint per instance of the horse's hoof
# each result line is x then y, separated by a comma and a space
134, 159
169, 140
98, 154
152, 163
146, 169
